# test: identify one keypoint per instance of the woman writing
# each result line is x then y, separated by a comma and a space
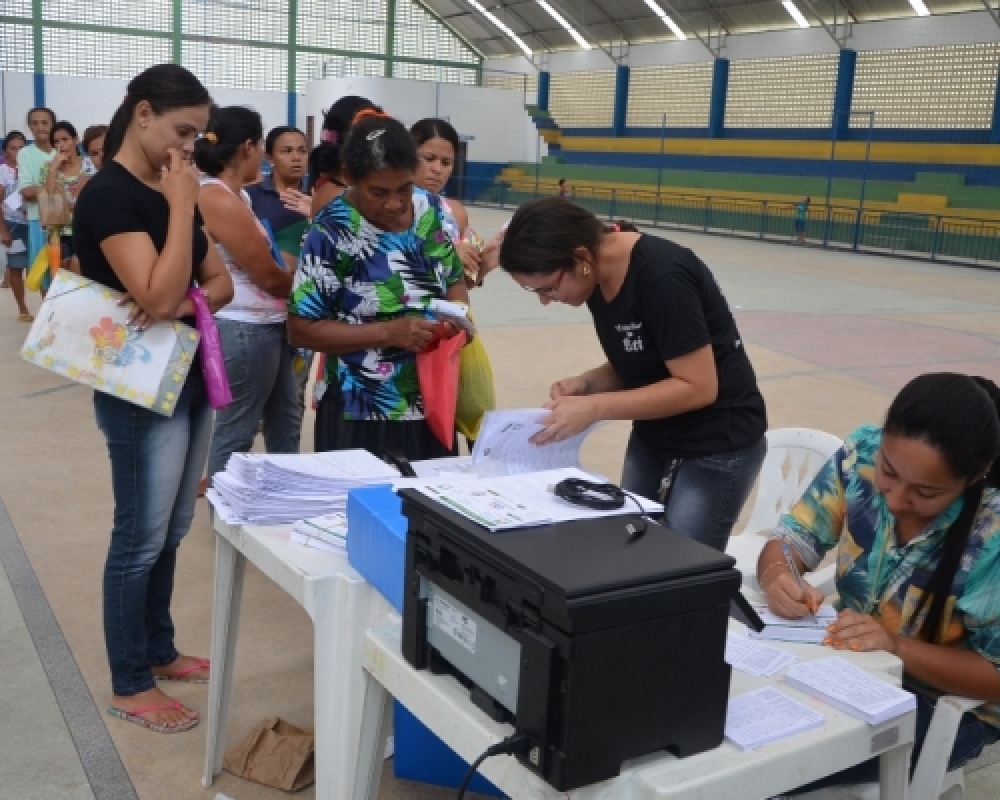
67, 174
137, 229
252, 327
437, 147
371, 263
676, 363
913, 512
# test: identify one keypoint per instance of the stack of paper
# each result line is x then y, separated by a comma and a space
767, 715
505, 438
755, 658
271, 489
328, 532
521, 501
851, 689
811, 629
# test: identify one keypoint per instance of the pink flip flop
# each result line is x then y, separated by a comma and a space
135, 718
181, 677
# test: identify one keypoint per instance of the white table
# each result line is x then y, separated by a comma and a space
342, 606
725, 773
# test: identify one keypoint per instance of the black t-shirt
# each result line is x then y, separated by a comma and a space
115, 201
670, 305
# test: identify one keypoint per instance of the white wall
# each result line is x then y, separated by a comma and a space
967, 28
92, 101
502, 129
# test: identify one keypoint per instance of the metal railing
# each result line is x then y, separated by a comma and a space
927, 235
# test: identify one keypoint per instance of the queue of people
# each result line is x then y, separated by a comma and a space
340, 251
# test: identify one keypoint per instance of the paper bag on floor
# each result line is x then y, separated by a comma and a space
275, 754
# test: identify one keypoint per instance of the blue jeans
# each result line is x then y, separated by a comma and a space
261, 377
156, 464
707, 494
973, 735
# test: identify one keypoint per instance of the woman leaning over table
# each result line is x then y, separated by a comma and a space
913, 512
371, 262
676, 366
137, 229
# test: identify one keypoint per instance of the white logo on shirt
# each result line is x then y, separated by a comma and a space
631, 341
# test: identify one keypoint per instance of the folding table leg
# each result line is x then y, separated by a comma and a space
376, 721
230, 568
894, 772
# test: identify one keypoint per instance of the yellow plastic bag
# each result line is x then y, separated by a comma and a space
36, 276
476, 393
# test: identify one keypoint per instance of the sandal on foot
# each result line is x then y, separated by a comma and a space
135, 718
25, 318
181, 677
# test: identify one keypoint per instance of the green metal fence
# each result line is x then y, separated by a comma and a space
930, 236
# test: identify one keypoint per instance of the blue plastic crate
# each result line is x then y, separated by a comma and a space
421, 756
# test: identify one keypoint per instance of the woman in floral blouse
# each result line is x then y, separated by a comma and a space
912, 510
371, 262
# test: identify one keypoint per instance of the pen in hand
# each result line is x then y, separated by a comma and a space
798, 577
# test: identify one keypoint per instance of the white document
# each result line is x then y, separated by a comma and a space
851, 689
17, 246
505, 437
521, 501
810, 629
755, 658
332, 527
14, 201
767, 715
317, 543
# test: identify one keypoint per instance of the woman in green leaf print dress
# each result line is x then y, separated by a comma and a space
371, 262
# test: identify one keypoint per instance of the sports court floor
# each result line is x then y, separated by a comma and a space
832, 336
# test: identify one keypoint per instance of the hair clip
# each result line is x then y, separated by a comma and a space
210, 137
371, 137
330, 137
368, 112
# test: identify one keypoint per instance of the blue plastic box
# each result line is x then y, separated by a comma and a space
376, 547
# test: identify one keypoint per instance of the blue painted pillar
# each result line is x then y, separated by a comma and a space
292, 109
995, 120
544, 79
621, 101
843, 94
717, 106
39, 90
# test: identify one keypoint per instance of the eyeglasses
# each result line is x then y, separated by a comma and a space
547, 291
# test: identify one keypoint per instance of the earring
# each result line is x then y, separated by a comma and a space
586, 272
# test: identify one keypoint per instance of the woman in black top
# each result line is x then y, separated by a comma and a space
136, 229
676, 363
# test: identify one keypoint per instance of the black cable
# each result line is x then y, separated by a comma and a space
512, 745
599, 497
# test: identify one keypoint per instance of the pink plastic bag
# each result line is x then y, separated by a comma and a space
213, 364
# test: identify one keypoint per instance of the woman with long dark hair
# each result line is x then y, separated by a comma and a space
371, 263
137, 229
676, 365
326, 170
252, 326
912, 510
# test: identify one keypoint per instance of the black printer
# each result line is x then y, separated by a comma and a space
598, 645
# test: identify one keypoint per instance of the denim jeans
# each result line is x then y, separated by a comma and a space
259, 366
707, 494
156, 464
972, 736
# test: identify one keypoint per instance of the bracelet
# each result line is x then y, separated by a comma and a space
760, 578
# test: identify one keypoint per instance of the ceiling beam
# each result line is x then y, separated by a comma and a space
583, 29
994, 13
719, 38
840, 32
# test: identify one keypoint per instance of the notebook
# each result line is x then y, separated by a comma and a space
810, 629
766, 715
851, 689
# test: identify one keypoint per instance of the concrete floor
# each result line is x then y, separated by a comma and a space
831, 336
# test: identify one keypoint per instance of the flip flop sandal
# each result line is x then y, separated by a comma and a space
25, 318
135, 719
181, 677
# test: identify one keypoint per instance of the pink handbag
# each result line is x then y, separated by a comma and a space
213, 363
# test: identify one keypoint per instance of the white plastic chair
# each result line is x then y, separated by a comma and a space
794, 456
931, 780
